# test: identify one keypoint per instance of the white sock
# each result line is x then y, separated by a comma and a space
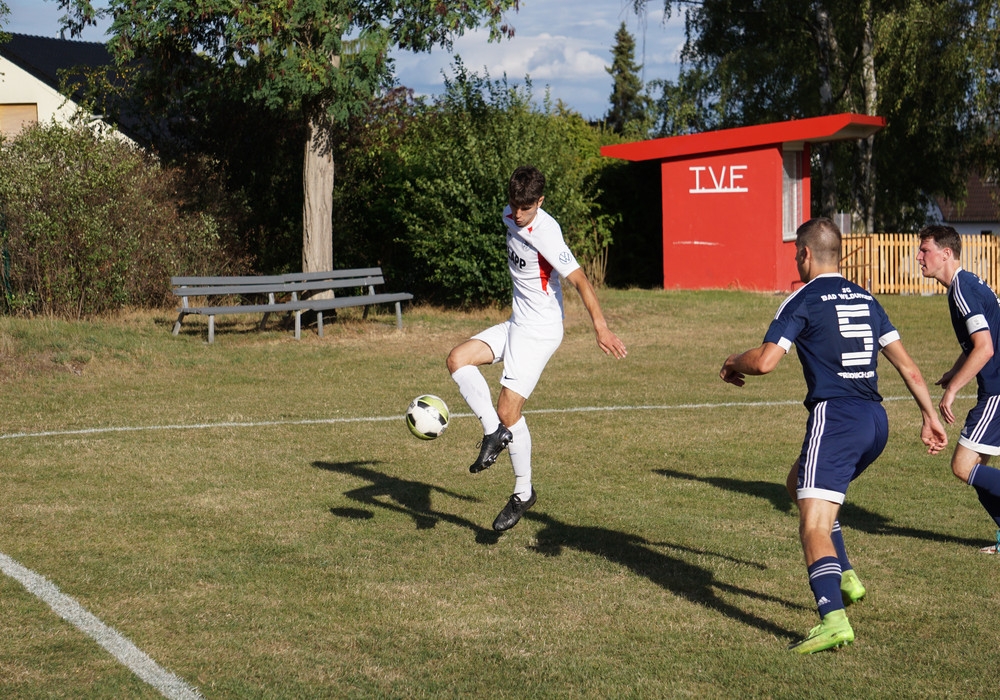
476, 392
519, 450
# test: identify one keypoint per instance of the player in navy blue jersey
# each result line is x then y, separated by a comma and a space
838, 329
975, 316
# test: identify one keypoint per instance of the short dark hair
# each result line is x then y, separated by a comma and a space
823, 238
527, 185
944, 237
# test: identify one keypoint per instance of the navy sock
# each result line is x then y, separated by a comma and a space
990, 502
838, 544
986, 478
986, 481
824, 580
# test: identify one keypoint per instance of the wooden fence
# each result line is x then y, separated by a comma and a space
886, 263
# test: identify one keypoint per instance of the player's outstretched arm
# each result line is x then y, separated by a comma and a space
932, 433
964, 371
608, 342
946, 378
755, 361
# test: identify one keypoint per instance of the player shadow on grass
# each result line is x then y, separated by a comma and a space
412, 498
694, 583
689, 581
851, 515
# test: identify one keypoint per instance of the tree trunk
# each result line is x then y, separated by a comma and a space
826, 43
317, 204
864, 191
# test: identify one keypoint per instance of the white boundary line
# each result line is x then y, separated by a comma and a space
379, 419
133, 658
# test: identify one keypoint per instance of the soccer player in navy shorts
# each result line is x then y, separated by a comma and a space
838, 329
975, 316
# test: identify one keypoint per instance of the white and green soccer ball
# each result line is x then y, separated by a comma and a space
427, 417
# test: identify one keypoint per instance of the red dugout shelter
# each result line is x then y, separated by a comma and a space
732, 199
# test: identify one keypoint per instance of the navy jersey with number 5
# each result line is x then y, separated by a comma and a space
838, 329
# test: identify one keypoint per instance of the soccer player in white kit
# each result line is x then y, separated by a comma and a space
537, 257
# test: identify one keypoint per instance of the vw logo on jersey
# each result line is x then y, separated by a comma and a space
565, 258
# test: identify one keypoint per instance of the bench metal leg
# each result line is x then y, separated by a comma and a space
211, 329
319, 323
399, 317
177, 324
298, 325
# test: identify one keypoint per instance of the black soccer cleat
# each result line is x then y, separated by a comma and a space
492, 445
513, 511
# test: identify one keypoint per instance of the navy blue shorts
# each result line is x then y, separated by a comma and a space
843, 437
982, 427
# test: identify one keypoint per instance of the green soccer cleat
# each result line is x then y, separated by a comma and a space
834, 631
851, 588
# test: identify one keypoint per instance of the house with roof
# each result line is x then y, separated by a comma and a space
979, 214
32, 71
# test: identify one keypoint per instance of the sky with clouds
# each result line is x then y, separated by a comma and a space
562, 45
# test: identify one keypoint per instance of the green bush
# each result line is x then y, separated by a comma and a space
91, 224
459, 154
369, 176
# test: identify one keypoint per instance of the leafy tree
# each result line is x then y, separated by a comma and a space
321, 60
983, 116
927, 84
458, 157
684, 107
368, 213
4, 11
628, 105
928, 66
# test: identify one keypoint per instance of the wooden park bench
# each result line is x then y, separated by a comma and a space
293, 293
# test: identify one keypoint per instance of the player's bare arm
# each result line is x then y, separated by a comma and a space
607, 341
947, 376
982, 351
755, 362
932, 433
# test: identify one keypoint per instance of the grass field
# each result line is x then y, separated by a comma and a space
255, 518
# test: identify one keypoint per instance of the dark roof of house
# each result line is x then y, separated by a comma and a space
981, 205
52, 60
44, 58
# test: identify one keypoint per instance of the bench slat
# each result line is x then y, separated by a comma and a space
204, 290
208, 281
360, 300
242, 309
275, 279
332, 274
227, 290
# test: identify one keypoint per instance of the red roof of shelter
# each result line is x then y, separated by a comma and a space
836, 127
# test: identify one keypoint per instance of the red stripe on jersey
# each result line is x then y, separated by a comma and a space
544, 272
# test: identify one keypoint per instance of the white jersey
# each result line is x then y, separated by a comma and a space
537, 257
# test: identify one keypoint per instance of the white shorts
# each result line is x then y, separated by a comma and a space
524, 350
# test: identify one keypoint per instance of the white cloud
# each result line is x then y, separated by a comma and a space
566, 50
564, 46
